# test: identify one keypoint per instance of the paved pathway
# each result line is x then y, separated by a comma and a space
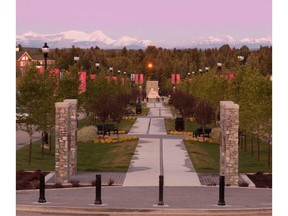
154, 156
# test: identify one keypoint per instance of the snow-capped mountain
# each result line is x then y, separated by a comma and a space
98, 38
80, 39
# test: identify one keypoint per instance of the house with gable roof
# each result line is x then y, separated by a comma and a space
23, 58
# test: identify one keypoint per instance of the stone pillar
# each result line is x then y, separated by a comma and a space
73, 138
62, 141
229, 124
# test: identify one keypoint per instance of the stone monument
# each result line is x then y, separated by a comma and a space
152, 90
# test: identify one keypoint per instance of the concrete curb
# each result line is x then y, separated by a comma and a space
96, 210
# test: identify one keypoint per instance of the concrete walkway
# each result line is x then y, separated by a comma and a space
154, 154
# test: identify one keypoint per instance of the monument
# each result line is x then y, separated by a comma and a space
152, 90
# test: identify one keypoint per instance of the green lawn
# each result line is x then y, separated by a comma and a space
205, 158
100, 157
114, 157
91, 157
22, 154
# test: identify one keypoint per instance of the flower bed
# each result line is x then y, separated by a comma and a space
185, 133
115, 139
199, 139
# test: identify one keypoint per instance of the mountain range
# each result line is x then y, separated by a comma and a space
98, 38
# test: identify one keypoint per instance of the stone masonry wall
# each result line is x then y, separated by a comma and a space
229, 124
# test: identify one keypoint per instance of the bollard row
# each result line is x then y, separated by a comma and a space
98, 199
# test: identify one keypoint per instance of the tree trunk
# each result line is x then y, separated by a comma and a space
258, 147
269, 157
42, 146
245, 142
50, 144
252, 146
30, 151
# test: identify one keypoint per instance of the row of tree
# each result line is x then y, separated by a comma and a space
37, 93
164, 61
249, 88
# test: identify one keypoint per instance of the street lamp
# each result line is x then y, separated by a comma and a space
110, 70
219, 67
241, 59
132, 77
150, 67
119, 72
200, 71
206, 69
45, 50
97, 65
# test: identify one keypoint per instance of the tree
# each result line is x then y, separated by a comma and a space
69, 85
35, 102
203, 113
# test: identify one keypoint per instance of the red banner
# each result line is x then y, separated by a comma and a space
82, 78
173, 78
178, 80
137, 78
141, 79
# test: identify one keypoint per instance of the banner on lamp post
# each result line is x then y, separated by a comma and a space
173, 78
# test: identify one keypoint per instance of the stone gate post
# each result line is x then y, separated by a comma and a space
73, 137
229, 124
62, 141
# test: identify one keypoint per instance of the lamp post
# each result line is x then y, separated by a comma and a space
200, 71
241, 59
219, 68
132, 77
150, 66
76, 60
97, 65
206, 69
110, 71
45, 50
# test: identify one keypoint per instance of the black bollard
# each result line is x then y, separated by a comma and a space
221, 190
161, 190
42, 189
98, 200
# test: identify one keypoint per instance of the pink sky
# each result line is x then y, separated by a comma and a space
174, 20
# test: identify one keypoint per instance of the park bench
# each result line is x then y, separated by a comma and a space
129, 112
107, 128
199, 132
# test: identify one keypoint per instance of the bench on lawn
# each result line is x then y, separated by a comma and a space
199, 132
107, 128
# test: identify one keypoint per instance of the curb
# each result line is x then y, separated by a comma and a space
96, 210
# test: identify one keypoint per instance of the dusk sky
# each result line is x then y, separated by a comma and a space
156, 20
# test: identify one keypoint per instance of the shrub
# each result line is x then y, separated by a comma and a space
58, 185
87, 134
215, 135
